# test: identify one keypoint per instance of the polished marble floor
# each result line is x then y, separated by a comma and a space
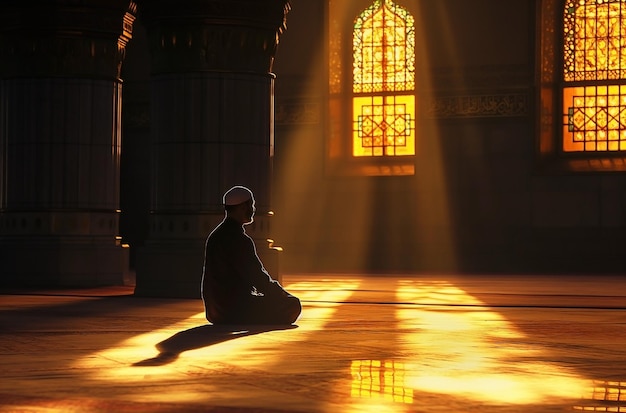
400, 343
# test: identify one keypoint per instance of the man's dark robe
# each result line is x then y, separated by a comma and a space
236, 289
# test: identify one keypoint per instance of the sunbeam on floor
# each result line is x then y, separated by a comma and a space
362, 344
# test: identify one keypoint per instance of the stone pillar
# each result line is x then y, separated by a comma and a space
212, 128
60, 136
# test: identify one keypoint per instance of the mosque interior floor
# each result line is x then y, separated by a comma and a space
396, 343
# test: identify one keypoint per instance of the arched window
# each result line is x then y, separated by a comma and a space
372, 109
383, 81
594, 76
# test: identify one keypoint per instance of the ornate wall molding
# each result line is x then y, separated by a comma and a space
480, 92
59, 38
214, 35
193, 48
463, 106
498, 91
478, 106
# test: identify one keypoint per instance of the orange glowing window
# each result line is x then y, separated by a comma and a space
594, 74
383, 81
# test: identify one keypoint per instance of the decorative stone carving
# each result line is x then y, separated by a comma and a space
214, 35
65, 38
479, 106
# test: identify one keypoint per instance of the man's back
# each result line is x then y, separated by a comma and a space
226, 252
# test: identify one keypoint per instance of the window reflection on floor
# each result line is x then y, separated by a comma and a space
604, 396
380, 379
448, 343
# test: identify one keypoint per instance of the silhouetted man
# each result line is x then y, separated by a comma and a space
236, 288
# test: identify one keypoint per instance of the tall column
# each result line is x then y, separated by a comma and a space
60, 135
212, 128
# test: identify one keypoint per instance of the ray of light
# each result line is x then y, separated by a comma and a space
433, 215
120, 363
390, 224
474, 352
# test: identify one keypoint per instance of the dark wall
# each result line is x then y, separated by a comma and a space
478, 202
135, 161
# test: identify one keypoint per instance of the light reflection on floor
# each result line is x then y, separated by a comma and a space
450, 343
604, 396
380, 379
119, 364
472, 351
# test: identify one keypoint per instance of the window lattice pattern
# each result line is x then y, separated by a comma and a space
384, 126
380, 379
606, 396
595, 118
383, 81
594, 51
384, 49
595, 40
335, 74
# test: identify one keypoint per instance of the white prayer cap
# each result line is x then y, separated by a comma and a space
237, 195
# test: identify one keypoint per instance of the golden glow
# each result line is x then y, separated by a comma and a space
613, 392
462, 358
594, 50
380, 379
595, 118
447, 343
384, 49
595, 35
384, 125
120, 363
335, 40
384, 60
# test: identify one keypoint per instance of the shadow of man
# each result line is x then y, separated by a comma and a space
204, 336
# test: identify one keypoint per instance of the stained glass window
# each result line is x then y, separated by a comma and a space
383, 81
594, 71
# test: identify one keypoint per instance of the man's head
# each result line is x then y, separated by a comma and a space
239, 204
